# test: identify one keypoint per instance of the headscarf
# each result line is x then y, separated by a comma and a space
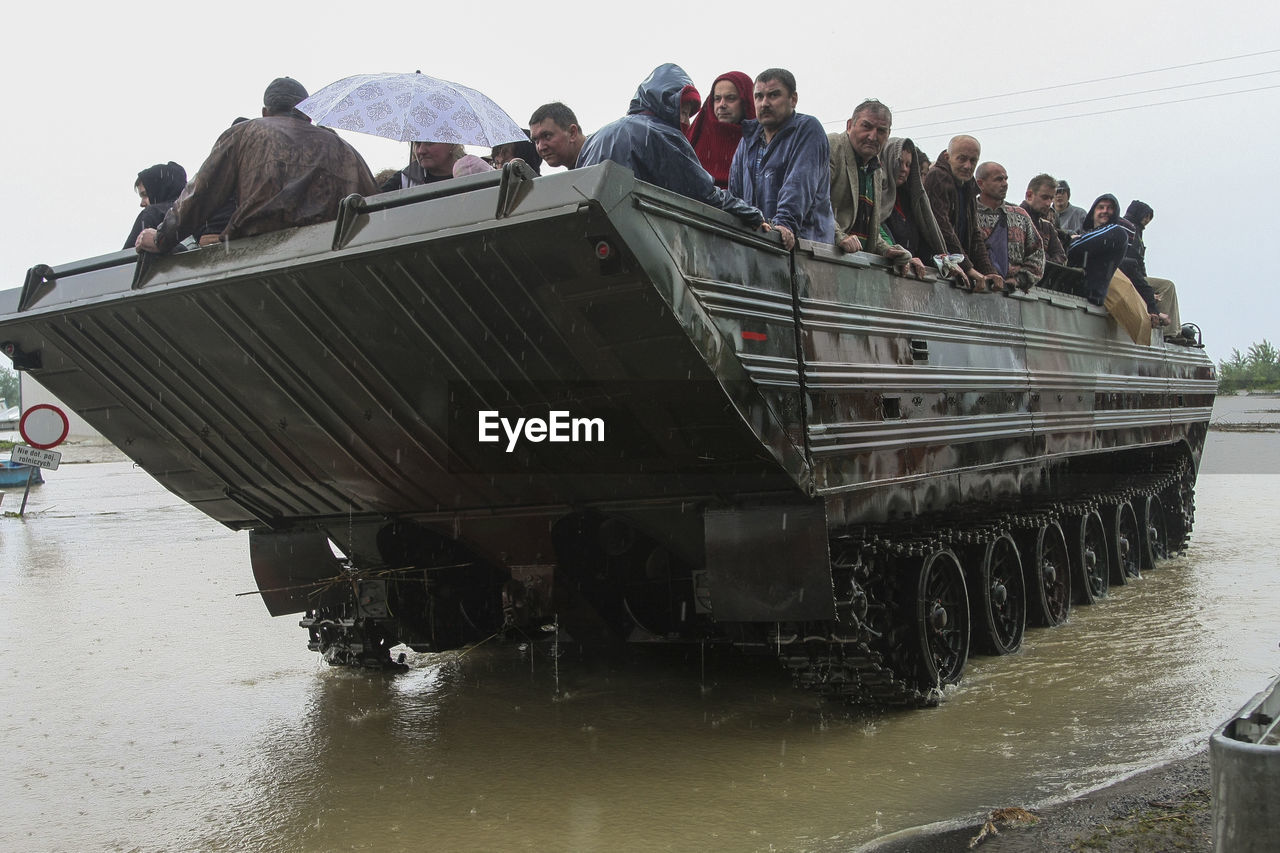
163, 182
526, 151
916, 200
689, 95
887, 192
715, 141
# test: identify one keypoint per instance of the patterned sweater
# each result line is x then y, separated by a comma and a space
1025, 250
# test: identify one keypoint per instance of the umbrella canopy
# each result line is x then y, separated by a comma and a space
412, 107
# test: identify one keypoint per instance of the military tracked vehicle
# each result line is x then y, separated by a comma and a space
495, 404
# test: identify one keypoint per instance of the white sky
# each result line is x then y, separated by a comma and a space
98, 93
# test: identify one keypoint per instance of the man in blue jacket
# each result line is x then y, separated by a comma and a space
648, 141
783, 163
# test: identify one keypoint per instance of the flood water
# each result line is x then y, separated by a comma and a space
143, 706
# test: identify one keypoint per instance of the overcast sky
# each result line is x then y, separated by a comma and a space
101, 92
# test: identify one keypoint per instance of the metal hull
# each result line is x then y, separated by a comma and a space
325, 382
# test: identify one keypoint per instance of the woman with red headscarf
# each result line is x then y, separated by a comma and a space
717, 129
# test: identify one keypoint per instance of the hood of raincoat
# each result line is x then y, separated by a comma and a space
889, 171
1137, 211
1088, 217
659, 94
163, 181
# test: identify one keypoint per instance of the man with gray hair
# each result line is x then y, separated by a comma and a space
282, 170
953, 195
855, 179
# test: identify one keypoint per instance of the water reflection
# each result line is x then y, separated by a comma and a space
1245, 438
480, 753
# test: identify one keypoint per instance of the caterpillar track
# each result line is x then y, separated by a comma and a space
903, 631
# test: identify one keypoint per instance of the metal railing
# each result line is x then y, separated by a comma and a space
1244, 754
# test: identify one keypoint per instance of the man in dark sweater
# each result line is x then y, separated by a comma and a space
953, 195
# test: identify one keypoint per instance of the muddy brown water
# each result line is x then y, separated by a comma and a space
145, 707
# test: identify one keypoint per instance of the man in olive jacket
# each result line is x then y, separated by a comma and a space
856, 171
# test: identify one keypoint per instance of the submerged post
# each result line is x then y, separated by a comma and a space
31, 473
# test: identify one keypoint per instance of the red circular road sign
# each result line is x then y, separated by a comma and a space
44, 426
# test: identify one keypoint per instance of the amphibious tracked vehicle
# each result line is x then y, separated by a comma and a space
799, 453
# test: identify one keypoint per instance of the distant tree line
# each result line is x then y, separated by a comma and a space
9, 387
1255, 370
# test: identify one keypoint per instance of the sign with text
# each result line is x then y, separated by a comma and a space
35, 457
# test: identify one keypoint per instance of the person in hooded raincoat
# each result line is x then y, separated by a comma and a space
158, 188
648, 141
1161, 294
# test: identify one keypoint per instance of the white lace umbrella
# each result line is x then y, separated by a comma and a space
410, 107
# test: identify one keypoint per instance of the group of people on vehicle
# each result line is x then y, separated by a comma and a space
744, 149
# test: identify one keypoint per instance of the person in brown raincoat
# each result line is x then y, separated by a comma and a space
282, 170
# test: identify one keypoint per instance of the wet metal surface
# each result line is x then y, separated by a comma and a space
145, 707
315, 378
